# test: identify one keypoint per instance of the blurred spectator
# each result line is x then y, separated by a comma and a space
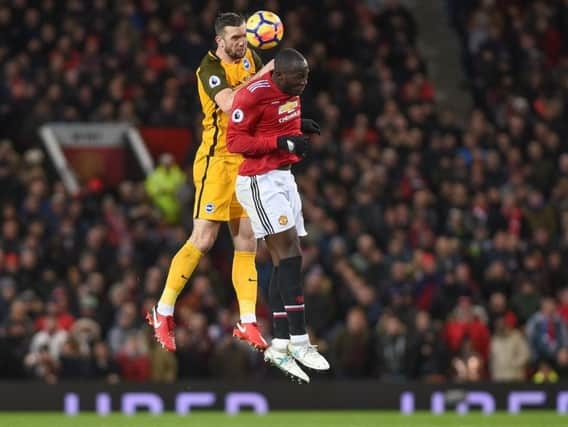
467, 324
42, 365
162, 186
427, 353
353, 347
50, 337
563, 305
57, 307
103, 365
526, 302
164, 367
7, 297
392, 349
73, 363
546, 332
124, 327
318, 297
133, 359
231, 360
85, 332
194, 346
509, 353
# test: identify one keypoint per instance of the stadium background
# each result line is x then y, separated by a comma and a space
438, 225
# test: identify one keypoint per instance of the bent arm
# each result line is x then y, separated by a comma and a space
225, 98
241, 135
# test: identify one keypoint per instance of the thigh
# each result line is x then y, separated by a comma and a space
236, 210
285, 244
266, 204
244, 195
242, 233
296, 206
214, 188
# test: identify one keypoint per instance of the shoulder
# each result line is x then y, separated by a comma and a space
254, 93
260, 88
211, 75
209, 60
211, 66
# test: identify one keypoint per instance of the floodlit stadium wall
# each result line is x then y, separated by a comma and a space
183, 398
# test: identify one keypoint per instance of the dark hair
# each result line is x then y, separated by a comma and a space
288, 60
228, 19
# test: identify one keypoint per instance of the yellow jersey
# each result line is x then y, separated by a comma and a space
214, 75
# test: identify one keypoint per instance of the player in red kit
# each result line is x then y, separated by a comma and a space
267, 129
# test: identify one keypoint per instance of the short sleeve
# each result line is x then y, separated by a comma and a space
212, 76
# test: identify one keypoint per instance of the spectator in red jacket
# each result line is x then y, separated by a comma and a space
467, 323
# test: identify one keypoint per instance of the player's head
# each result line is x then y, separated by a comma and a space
290, 71
231, 34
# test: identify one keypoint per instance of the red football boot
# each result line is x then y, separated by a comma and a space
249, 332
164, 327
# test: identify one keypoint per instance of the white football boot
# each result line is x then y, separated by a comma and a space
308, 355
286, 363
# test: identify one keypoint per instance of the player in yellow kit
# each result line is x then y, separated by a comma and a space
219, 76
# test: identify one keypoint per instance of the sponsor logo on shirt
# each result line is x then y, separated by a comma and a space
289, 117
286, 108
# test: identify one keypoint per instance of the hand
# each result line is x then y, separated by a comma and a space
310, 126
297, 144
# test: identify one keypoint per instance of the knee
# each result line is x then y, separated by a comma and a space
203, 239
245, 240
291, 251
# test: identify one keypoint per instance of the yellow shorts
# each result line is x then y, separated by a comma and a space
214, 179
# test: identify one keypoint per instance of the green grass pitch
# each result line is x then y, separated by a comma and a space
285, 419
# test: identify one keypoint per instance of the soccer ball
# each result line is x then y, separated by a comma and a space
264, 30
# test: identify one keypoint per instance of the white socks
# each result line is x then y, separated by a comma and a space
299, 339
280, 344
165, 309
248, 318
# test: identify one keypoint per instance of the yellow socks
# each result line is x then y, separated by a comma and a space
245, 284
182, 267
183, 264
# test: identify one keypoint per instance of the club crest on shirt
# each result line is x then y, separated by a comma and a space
246, 64
283, 220
209, 208
286, 108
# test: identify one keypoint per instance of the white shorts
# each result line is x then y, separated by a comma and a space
272, 202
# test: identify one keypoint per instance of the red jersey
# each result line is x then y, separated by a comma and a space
261, 112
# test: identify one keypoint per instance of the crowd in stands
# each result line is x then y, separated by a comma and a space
436, 251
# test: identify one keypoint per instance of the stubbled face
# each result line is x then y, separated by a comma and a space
233, 41
293, 82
